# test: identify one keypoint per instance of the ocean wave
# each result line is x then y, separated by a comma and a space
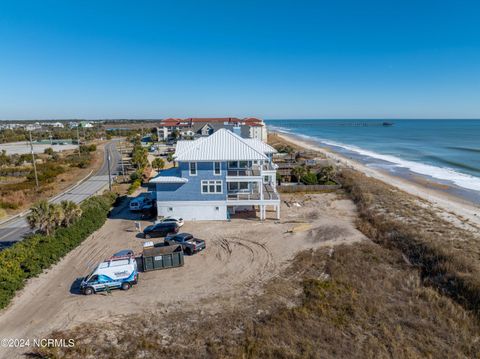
442, 173
464, 149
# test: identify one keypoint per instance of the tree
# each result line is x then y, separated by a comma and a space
139, 156
170, 157
45, 216
48, 151
158, 163
4, 158
309, 178
71, 211
326, 174
298, 172
175, 134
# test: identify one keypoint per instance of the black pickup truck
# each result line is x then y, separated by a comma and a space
189, 243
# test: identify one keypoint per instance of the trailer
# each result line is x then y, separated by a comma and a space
161, 257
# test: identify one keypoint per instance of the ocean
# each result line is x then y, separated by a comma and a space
443, 151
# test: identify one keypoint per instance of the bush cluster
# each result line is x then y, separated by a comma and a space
88, 148
31, 256
135, 184
46, 172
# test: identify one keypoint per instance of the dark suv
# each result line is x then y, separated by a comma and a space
160, 229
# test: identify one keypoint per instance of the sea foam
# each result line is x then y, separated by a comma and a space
441, 173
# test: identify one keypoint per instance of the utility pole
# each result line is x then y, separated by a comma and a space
78, 141
121, 160
33, 160
109, 174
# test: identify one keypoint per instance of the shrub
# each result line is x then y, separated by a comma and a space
135, 176
88, 148
12, 200
326, 175
46, 172
31, 256
309, 178
158, 163
136, 184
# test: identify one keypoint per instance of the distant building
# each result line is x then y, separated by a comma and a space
201, 127
217, 176
53, 124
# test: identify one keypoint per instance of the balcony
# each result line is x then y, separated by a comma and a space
246, 172
269, 194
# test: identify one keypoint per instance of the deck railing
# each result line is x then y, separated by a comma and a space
243, 172
268, 194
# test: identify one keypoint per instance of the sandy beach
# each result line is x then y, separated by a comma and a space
454, 209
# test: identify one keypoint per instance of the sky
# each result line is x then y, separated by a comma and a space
269, 59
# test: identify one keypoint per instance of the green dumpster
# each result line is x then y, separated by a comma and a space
162, 257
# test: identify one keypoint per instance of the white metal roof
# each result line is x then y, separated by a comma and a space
222, 145
168, 179
184, 145
260, 146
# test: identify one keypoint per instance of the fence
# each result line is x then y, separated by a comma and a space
308, 188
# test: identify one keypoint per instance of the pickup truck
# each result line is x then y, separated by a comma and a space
189, 243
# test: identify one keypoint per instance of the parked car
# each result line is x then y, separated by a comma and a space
189, 243
176, 220
160, 230
111, 274
140, 203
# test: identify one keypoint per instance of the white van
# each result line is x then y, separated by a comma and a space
117, 272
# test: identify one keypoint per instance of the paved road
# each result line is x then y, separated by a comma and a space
14, 230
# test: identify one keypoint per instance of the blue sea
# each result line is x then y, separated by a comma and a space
444, 151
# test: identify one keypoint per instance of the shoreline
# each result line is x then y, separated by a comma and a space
444, 201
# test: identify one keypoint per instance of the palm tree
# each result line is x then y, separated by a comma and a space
71, 211
45, 216
298, 172
158, 163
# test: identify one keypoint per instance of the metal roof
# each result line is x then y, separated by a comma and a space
260, 146
168, 179
222, 145
170, 175
185, 145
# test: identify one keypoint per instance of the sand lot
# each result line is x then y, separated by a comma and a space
241, 255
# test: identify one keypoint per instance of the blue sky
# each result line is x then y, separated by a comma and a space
272, 59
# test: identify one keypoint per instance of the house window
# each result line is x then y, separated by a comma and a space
211, 186
193, 168
238, 186
217, 168
239, 164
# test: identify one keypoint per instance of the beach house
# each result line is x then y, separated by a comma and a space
218, 176
198, 127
